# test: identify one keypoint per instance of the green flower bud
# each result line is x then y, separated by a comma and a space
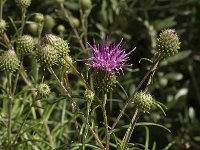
104, 81
2, 25
60, 45
168, 43
143, 101
9, 61
85, 4
33, 28
61, 28
43, 89
39, 17
75, 22
25, 44
47, 55
49, 22
23, 4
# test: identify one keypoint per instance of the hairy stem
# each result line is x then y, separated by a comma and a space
107, 135
10, 100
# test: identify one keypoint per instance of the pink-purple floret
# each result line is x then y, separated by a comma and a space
110, 58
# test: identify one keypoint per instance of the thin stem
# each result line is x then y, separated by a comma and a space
1, 9
7, 41
10, 99
20, 128
103, 106
73, 28
151, 70
59, 82
23, 21
129, 131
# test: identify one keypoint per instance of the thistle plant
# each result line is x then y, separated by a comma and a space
61, 91
107, 61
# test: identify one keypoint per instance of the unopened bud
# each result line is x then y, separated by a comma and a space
168, 43
9, 61
143, 101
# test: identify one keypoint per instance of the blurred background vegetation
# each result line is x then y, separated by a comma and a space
138, 22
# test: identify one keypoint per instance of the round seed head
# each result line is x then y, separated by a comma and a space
167, 43
9, 61
23, 4
143, 102
47, 56
43, 89
25, 44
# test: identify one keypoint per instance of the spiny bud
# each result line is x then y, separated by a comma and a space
143, 101
168, 43
85, 4
39, 17
43, 89
104, 81
63, 63
47, 55
9, 61
25, 44
2, 25
60, 45
23, 4
89, 95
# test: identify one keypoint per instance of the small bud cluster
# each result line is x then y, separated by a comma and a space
61, 46
54, 51
143, 101
9, 61
168, 43
43, 90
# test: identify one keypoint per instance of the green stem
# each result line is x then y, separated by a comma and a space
103, 106
129, 131
1, 9
83, 118
151, 70
10, 100
23, 21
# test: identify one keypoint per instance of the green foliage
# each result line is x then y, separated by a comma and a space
69, 111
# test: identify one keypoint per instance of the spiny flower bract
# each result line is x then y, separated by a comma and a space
110, 58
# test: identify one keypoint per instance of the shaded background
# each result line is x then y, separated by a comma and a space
139, 22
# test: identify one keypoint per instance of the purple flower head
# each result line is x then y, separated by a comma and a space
110, 58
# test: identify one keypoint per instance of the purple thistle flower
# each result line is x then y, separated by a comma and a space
110, 58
